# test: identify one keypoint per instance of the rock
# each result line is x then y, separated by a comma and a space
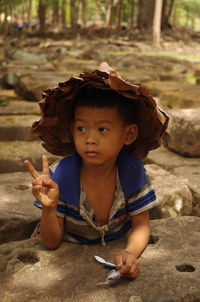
13, 154
20, 55
135, 299
170, 160
75, 66
170, 268
18, 107
95, 51
191, 176
188, 169
183, 132
182, 98
31, 86
172, 192
175, 94
172, 77
16, 127
157, 87
15, 69
198, 81
18, 216
10, 80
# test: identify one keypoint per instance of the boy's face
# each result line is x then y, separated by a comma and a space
99, 134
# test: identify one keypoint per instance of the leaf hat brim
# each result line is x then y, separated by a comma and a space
54, 126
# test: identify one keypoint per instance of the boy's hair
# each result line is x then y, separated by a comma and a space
107, 98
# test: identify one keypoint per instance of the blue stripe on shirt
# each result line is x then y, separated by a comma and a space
142, 201
111, 236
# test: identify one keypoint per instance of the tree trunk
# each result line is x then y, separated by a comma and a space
30, 6
63, 13
157, 22
84, 13
23, 10
42, 16
132, 10
5, 21
166, 13
73, 13
120, 13
55, 12
110, 13
145, 15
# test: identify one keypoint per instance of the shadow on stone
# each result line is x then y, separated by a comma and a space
28, 258
185, 268
153, 239
21, 187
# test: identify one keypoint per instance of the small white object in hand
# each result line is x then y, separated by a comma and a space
111, 278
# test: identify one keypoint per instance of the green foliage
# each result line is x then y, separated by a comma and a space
190, 6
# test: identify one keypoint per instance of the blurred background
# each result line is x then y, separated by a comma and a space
152, 42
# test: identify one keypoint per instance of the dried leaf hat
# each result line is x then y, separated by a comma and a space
54, 126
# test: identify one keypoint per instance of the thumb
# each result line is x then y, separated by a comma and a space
49, 182
118, 261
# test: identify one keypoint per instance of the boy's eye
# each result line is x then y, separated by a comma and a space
81, 129
103, 129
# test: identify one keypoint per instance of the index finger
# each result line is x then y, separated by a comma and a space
45, 165
31, 169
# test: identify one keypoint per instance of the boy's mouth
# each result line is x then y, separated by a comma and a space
91, 153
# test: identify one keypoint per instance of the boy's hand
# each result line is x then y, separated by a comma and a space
44, 188
127, 264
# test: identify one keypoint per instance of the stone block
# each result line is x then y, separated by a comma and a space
17, 127
13, 154
18, 216
183, 132
172, 192
170, 268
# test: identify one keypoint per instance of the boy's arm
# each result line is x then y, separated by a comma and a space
139, 235
126, 261
51, 228
46, 191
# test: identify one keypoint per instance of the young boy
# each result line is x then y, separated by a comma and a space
100, 191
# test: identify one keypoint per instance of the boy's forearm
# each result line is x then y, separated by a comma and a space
138, 239
50, 229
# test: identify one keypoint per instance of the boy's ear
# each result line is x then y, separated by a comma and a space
131, 134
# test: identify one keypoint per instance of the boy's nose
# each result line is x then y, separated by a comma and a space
91, 139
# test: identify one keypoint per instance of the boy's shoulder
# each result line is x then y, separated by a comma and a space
66, 173
69, 160
132, 173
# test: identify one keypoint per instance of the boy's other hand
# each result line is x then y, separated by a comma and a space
127, 264
45, 190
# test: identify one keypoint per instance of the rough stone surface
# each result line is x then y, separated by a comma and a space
183, 132
18, 216
191, 177
17, 127
181, 98
19, 107
20, 55
13, 154
170, 160
175, 95
188, 169
172, 192
31, 85
170, 269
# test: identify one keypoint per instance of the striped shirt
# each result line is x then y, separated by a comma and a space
133, 195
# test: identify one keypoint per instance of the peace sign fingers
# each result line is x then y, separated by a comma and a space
45, 165
31, 169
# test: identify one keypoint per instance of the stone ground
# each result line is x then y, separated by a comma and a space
170, 269
170, 264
